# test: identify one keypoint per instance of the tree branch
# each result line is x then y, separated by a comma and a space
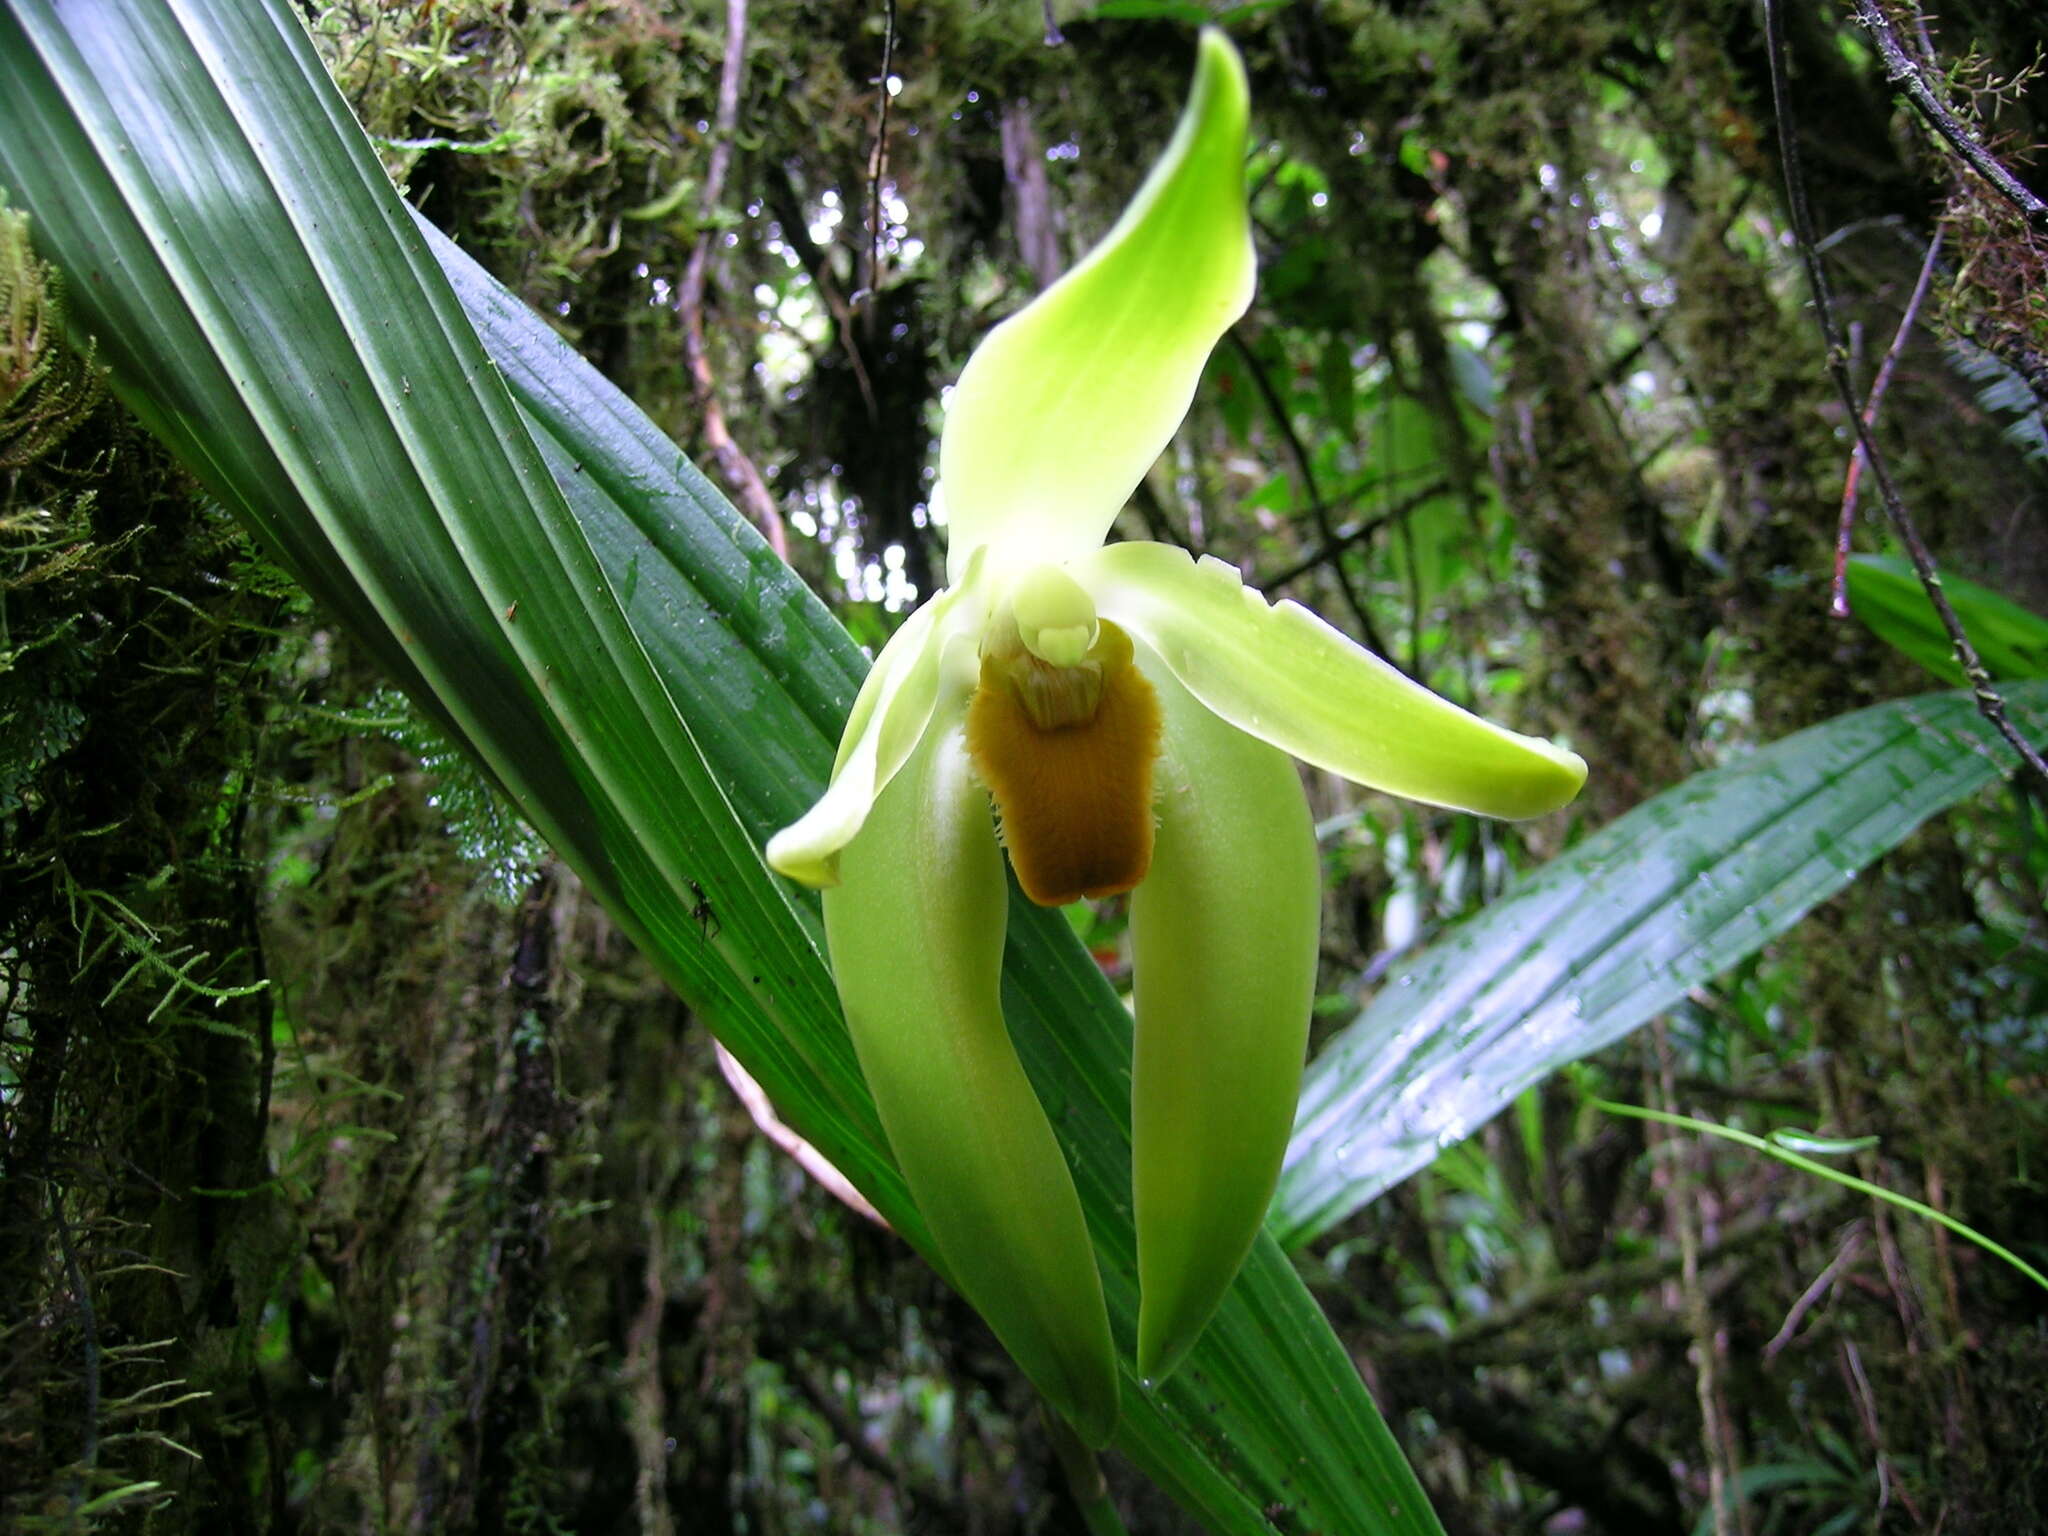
1839, 605
787, 206
1990, 703
734, 467
1317, 508
1902, 71
1343, 538
878, 157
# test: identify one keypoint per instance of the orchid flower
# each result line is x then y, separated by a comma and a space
1129, 714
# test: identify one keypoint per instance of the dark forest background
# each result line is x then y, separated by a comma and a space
357, 1176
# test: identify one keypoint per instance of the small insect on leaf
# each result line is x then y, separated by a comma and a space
701, 911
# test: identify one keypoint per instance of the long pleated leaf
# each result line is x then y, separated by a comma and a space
539, 568
1596, 943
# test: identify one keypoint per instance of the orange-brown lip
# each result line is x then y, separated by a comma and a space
1075, 800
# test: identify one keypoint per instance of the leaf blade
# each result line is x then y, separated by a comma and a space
1604, 937
1887, 596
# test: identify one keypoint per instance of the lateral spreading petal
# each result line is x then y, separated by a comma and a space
1282, 674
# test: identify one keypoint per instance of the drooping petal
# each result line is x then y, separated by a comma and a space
1224, 932
889, 717
1288, 678
1064, 406
915, 928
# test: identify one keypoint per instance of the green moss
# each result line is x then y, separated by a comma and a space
133, 1221
46, 391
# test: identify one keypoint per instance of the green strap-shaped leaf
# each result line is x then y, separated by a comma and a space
1599, 941
536, 565
1887, 595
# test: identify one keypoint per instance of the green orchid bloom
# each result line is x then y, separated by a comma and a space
1130, 713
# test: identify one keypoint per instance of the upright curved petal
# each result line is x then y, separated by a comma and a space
1065, 405
1224, 933
915, 928
1288, 678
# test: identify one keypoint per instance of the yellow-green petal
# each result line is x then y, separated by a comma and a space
1065, 405
1281, 673
1224, 933
889, 717
915, 928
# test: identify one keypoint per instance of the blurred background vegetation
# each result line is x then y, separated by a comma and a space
357, 1174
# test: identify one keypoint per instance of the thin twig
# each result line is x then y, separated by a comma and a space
1054, 38
1811, 1296
737, 470
1159, 524
1990, 703
1541, 1315
1684, 1174
1902, 71
787, 206
755, 1100
1866, 1404
1357, 533
646, 1393
1404, 530
878, 161
931, 1498
1839, 607
1317, 508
